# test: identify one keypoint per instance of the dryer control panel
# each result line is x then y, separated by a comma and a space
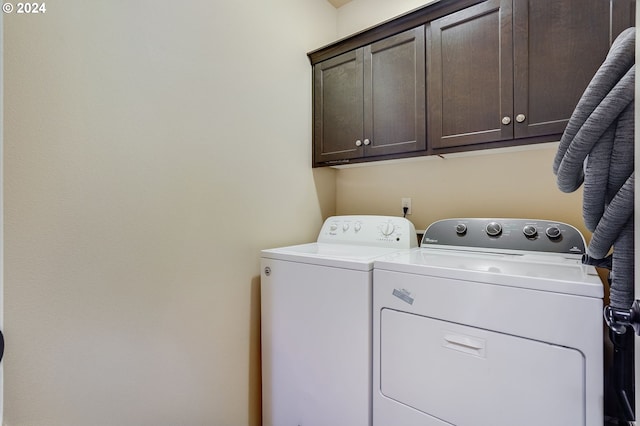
370, 230
531, 235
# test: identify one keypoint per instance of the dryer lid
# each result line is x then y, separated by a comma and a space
541, 272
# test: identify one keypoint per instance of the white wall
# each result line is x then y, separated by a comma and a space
151, 150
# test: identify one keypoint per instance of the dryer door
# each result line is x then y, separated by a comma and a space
468, 376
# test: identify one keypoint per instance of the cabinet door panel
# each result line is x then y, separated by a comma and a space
470, 75
558, 45
338, 107
623, 16
394, 94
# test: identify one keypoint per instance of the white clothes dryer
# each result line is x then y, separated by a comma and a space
489, 323
316, 322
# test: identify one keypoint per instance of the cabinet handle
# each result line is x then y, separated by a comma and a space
367, 141
358, 142
520, 118
506, 120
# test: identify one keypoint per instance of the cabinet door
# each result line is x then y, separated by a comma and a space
470, 76
337, 109
558, 45
394, 94
623, 16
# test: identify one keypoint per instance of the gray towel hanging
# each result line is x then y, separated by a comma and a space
597, 149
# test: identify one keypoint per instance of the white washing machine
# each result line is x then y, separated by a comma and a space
316, 322
489, 323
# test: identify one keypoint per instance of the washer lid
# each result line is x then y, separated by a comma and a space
552, 273
335, 255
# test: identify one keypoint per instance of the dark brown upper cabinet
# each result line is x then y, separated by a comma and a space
470, 80
498, 73
514, 70
370, 102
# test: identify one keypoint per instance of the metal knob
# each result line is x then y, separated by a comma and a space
367, 141
506, 120
553, 232
530, 231
358, 142
493, 229
520, 118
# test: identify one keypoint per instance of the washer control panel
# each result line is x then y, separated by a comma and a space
506, 234
380, 231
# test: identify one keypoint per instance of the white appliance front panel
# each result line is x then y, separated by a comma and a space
316, 343
558, 319
501, 380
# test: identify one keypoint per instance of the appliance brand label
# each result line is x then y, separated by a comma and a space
403, 295
430, 240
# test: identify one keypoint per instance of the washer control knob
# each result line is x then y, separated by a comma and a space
387, 229
333, 227
493, 229
553, 232
357, 227
461, 229
345, 227
530, 231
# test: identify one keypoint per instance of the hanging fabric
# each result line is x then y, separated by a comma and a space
597, 149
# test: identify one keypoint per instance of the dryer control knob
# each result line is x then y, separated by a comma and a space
553, 232
493, 229
530, 231
345, 227
461, 229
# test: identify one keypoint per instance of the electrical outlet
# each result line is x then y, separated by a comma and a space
406, 202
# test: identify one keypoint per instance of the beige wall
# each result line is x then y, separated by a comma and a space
357, 15
497, 184
491, 183
151, 150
